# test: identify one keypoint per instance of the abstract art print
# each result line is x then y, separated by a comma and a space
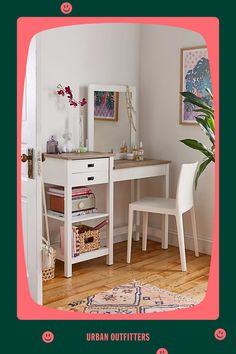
195, 77
106, 105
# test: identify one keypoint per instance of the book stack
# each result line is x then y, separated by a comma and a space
76, 191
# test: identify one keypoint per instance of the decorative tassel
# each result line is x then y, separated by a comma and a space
129, 107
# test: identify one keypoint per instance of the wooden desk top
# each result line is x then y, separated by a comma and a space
79, 156
118, 164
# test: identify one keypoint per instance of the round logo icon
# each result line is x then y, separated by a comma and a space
220, 334
162, 351
66, 8
48, 337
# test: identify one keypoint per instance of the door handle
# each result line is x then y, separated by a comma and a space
28, 158
24, 158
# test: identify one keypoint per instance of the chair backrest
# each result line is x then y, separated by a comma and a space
184, 194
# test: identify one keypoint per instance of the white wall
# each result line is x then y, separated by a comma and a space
81, 55
78, 56
159, 125
147, 57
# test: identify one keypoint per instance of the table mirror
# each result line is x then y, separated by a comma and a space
112, 117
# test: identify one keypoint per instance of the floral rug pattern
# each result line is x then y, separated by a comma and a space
131, 298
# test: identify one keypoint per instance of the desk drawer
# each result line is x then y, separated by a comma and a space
86, 179
89, 165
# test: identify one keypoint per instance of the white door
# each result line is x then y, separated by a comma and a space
31, 184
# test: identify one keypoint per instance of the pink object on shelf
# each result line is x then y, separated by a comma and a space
74, 254
101, 225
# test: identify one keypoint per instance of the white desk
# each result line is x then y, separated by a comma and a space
71, 170
124, 170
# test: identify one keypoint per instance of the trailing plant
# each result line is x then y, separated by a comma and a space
205, 118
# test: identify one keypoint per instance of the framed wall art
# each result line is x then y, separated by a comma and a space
195, 77
106, 105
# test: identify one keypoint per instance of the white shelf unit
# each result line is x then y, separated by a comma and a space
102, 251
69, 173
81, 218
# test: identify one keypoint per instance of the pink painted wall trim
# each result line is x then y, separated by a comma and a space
208, 27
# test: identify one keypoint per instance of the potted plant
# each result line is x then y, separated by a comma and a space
205, 119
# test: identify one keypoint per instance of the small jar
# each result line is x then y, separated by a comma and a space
52, 146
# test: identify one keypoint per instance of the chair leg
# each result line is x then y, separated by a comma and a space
180, 229
145, 228
130, 231
165, 230
194, 226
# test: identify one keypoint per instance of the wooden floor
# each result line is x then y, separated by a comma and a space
155, 266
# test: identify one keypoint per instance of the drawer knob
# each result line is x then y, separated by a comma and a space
90, 164
90, 178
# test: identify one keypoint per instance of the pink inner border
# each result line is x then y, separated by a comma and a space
208, 27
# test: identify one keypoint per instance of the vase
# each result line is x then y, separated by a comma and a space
81, 130
67, 145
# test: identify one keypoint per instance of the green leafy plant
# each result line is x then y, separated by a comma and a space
205, 119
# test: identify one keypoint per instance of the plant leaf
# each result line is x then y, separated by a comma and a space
207, 130
205, 119
195, 100
209, 92
194, 144
209, 121
201, 168
205, 111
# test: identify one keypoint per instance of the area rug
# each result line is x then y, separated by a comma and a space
131, 298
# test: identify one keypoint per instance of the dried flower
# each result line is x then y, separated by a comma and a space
83, 102
67, 91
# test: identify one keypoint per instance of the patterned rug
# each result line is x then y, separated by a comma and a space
131, 298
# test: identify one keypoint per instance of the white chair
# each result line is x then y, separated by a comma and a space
176, 207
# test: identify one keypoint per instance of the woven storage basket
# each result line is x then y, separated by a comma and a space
49, 273
86, 239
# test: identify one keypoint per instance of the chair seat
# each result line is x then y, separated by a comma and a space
155, 205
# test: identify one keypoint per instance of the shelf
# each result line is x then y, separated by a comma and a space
102, 251
80, 218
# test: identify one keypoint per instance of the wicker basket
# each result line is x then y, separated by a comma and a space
85, 239
49, 273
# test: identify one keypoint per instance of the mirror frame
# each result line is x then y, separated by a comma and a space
90, 123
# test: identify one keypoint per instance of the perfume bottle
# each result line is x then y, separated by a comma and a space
141, 151
52, 145
135, 152
123, 148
